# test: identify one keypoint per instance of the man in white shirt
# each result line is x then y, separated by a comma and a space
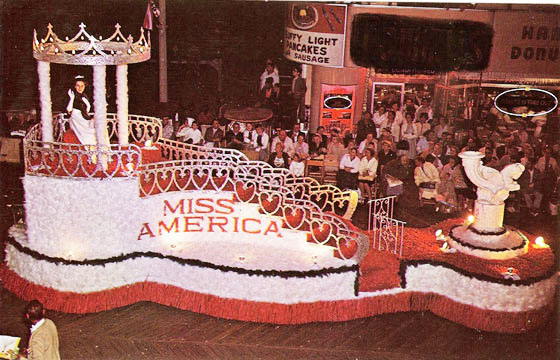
284, 139
422, 124
193, 134
260, 143
347, 177
269, 73
378, 118
249, 134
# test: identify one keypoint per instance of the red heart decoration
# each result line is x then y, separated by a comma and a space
200, 181
270, 206
321, 232
147, 182
244, 193
218, 182
347, 248
294, 218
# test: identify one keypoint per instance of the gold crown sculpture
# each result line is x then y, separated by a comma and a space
85, 49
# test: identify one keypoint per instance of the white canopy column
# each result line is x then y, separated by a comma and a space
100, 104
122, 103
44, 71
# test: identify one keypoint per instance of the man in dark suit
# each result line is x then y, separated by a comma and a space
298, 90
296, 130
214, 135
234, 138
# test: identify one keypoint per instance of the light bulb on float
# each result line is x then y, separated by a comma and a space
539, 243
470, 219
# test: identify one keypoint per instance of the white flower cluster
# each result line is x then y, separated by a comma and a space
428, 278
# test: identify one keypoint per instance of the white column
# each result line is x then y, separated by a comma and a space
44, 70
122, 103
100, 104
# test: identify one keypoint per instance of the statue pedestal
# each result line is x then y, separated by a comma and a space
488, 217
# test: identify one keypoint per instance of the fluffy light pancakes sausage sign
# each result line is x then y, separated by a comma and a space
315, 34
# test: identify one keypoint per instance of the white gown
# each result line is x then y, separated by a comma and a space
83, 128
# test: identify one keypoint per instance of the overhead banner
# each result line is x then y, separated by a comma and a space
315, 34
530, 44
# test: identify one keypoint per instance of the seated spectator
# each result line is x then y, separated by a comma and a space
336, 148
288, 144
437, 153
395, 173
367, 171
392, 125
350, 135
423, 143
316, 148
293, 134
446, 196
249, 135
279, 158
385, 155
324, 138
368, 142
234, 138
301, 147
530, 183
194, 136
426, 177
183, 131
260, 144
422, 124
213, 136
347, 177
168, 130
297, 167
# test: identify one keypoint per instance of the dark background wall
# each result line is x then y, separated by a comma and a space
242, 33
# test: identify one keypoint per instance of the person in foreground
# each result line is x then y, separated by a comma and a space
43, 343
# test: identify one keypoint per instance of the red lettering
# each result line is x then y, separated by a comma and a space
204, 203
145, 230
272, 227
174, 224
190, 221
244, 228
180, 206
228, 208
235, 221
218, 224
190, 206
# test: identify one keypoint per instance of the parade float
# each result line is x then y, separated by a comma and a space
137, 217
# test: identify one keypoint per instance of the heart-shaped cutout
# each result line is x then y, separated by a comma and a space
321, 232
346, 248
270, 202
294, 217
244, 191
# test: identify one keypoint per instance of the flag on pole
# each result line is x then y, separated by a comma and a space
148, 18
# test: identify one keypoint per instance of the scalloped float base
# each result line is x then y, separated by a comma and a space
501, 245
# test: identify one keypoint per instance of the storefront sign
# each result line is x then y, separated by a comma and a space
397, 44
528, 45
526, 102
337, 107
315, 34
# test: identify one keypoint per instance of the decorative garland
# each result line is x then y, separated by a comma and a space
474, 247
285, 274
406, 263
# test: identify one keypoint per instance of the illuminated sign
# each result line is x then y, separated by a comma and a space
526, 102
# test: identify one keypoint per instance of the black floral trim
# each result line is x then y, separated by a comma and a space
530, 281
190, 262
474, 247
482, 232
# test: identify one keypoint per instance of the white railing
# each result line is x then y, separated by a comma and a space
388, 233
302, 202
